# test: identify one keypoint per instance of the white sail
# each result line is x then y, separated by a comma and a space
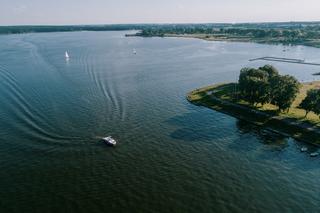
67, 55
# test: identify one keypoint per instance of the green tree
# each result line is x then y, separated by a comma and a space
284, 90
253, 85
316, 108
311, 101
271, 70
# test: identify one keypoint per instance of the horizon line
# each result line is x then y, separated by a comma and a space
160, 23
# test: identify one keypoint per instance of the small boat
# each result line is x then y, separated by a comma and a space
304, 149
314, 154
67, 55
109, 141
134, 51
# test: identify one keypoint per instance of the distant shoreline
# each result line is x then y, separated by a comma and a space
289, 127
230, 39
9, 30
285, 33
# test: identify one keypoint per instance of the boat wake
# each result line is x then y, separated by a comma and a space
102, 85
23, 107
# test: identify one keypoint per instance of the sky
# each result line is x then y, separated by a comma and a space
64, 12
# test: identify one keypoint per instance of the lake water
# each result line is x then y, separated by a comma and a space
172, 156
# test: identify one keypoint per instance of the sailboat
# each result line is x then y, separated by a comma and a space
67, 55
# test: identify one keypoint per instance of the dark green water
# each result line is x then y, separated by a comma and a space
172, 156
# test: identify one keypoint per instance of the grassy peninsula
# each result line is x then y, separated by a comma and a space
292, 121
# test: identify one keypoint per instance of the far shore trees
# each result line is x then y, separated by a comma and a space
266, 85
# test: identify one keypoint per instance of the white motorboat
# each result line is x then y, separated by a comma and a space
314, 154
304, 149
109, 141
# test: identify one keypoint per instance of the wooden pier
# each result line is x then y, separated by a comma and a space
285, 60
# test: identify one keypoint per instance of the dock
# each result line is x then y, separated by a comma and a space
285, 60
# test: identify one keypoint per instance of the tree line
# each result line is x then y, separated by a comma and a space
285, 33
69, 28
265, 85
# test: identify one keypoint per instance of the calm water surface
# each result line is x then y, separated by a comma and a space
172, 156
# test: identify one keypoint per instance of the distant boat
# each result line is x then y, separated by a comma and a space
314, 154
109, 141
304, 149
67, 55
134, 51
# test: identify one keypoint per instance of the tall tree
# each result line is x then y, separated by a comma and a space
317, 105
271, 70
253, 85
310, 102
284, 90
